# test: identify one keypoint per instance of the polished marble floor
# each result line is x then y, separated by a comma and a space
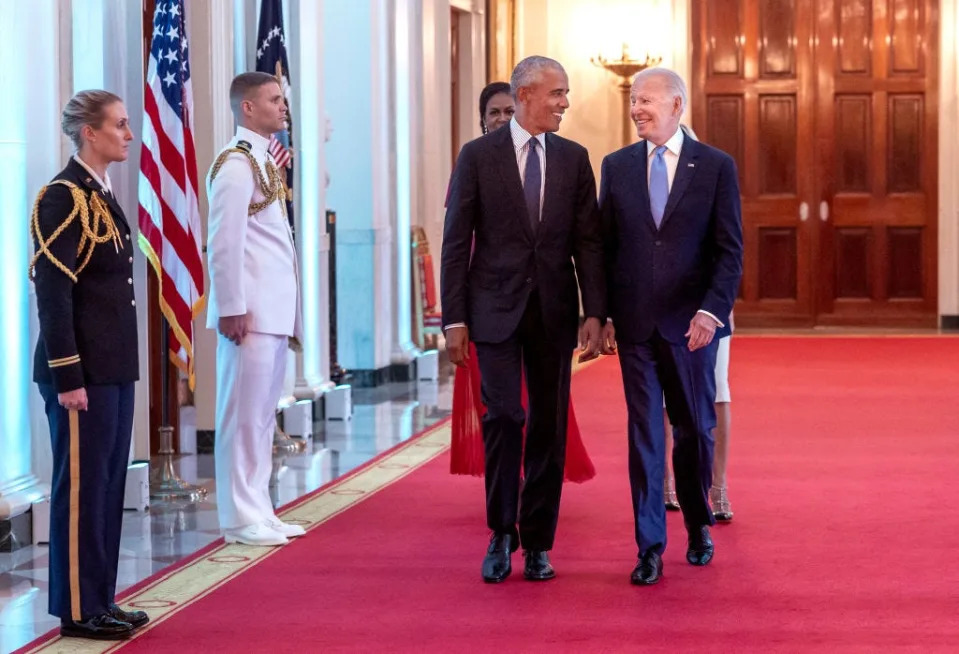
152, 540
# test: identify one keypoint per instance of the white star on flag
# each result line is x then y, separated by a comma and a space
169, 79
171, 56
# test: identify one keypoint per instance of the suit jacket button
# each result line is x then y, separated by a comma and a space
659, 242
529, 280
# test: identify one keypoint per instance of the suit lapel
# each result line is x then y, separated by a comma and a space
504, 155
641, 186
684, 173
554, 180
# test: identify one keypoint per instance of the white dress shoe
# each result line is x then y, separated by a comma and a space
288, 530
259, 535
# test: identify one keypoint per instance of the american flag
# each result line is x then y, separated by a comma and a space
169, 214
271, 58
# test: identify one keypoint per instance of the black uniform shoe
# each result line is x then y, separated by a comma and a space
497, 564
648, 570
537, 566
135, 618
700, 548
99, 627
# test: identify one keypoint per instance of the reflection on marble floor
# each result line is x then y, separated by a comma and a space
383, 417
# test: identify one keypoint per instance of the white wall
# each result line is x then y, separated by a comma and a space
949, 159
573, 32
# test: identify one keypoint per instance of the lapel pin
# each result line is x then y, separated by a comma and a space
690, 165
88, 180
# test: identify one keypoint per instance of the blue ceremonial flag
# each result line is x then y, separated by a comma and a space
271, 58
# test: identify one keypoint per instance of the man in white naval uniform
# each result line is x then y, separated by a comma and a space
254, 305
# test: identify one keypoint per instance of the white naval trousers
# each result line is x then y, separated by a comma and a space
249, 381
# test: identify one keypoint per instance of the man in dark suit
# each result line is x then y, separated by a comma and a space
672, 222
522, 208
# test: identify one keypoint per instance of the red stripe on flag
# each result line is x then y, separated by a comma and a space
190, 158
173, 299
173, 232
169, 154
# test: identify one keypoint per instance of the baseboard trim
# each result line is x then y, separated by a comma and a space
370, 378
16, 532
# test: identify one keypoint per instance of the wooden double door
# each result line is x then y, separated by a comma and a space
830, 109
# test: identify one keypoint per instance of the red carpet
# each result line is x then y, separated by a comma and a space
844, 476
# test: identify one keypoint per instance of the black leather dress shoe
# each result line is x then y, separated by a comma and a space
537, 566
135, 618
700, 548
497, 565
99, 627
648, 570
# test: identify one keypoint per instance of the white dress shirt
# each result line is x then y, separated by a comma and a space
521, 145
673, 147
104, 183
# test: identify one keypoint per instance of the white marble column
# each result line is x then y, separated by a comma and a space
358, 103
305, 44
435, 158
29, 157
407, 129
210, 28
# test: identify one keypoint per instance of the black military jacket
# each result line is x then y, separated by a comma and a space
85, 300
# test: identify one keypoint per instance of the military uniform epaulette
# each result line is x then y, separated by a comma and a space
271, 186
96, 225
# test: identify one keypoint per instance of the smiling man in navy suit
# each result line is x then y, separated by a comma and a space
521, 211
672, 219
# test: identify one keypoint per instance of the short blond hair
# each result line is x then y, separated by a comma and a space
243, 86
85, 108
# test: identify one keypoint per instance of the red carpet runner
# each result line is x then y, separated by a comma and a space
844, 476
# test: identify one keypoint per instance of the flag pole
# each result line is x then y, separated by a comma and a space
167, 485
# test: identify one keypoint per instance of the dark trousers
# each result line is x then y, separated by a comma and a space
547, 369
651, 370
86, 504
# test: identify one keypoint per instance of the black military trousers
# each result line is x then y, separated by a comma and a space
542, 456
91, 450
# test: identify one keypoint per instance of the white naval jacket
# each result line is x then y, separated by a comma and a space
252, 259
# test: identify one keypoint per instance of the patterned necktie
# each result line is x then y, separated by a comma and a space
531, 183
658, 186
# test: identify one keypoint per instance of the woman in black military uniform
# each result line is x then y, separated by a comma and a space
86, 365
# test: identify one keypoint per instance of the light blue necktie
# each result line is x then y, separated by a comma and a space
658, 186
531, 184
